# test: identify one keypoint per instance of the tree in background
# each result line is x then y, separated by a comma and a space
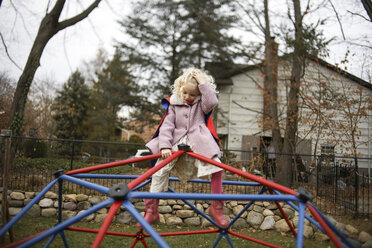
6, 93
113, 89
166, 37
70, 108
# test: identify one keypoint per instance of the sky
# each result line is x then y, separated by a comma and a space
69, 49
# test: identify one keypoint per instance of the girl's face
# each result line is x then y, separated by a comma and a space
189, 92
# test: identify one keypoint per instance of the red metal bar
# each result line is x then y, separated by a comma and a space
253, 240
326, 228
80, 229
15, 244
113, 164
154, 169
106, 224
263, 181
134, 243
285, 216
189, 232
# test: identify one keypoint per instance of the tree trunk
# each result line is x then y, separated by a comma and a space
285, 173
271, 84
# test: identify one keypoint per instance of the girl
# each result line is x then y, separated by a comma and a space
193, 97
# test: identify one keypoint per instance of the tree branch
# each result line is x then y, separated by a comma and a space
6, 51
77, 18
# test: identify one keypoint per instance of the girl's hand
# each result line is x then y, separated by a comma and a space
165, 153
199, 76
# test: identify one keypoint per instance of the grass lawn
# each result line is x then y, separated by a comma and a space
29, 226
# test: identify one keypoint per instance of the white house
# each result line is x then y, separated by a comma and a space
333, 103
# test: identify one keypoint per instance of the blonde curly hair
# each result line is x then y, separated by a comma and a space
187, 77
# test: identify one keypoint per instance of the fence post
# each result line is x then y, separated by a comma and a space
5, 217
72, 154
356, 186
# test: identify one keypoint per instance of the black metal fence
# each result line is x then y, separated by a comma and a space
338, 186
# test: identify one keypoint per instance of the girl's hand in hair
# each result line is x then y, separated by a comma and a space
199, 76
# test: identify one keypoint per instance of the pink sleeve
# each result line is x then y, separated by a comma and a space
166, 129
208, 98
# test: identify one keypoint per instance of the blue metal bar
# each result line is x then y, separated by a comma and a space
154, 235
263, 190
26, 208
107, 176
86, 175
219, 197
60, 183
334, 229
217, 240
229, 240
50, 240
64, 239
300, 225
61, 226
197, 210
89, 185
141, 185
294, 206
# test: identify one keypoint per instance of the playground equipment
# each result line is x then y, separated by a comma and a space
121, 194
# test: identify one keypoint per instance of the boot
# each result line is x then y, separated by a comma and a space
151, 212
216, 210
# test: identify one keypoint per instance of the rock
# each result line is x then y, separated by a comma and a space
236, 210
95, 199
185, 213
16, 203
46, 203
177, 207
367, 244
174, 220
240, 223
233, 203
193, 221
102, 211
163, 202
321, 236
266, 204
87, 218
267, 212
51, 195
100, 217
364, 236
81, 197
258, 209
70, 197
282, 226
355, 243
29, 195
268, 223
199, 207
34, 211
295, 221
17, 196
351, 230
272, 206
125, 218
205, 222
14, 211
165, 209
48, 212
69, 205
255, 219
140, 206
68, 214
83, 205
308, 231
26, 201
172, 202
186, 207
162, 219
258, 203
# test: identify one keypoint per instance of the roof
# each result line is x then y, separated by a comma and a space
223, 75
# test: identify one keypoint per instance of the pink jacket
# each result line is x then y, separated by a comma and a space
183, 119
